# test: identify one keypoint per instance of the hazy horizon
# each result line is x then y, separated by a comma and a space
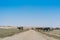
30, 13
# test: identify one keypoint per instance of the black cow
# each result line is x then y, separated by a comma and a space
20, 28
46, 29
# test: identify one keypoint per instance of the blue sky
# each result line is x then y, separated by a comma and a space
30, 12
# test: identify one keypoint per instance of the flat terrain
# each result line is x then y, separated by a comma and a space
54, 33
8, 32
29, 35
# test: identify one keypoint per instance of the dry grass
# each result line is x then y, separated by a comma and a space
8, 32
55, 33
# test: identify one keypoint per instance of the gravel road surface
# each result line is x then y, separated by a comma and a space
29, 35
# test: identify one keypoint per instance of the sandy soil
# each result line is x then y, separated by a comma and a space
29, 35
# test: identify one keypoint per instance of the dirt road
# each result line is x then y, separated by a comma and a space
29, 35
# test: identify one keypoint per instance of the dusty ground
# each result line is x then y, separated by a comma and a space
29, 35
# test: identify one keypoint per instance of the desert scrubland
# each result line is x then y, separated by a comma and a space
21, 33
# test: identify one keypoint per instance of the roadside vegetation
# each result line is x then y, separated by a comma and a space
9, 32
54, 33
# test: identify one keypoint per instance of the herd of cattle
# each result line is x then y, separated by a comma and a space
41, 28
46, 29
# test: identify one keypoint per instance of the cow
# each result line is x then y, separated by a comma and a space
46, 29
20, 28
38, 29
